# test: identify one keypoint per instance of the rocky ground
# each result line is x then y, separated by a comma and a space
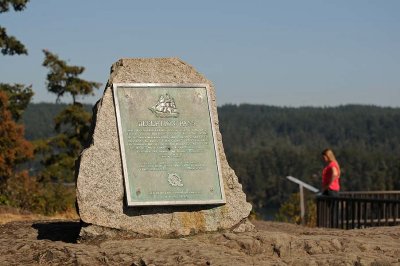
55, 243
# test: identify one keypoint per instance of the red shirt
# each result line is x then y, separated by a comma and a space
327, 173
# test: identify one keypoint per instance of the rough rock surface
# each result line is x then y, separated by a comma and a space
100, 189
54, 243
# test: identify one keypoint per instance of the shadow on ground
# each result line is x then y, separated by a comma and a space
67, 232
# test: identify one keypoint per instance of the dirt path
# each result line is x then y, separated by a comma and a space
54, 243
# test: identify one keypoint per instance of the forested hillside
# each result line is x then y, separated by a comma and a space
264, 144
38, 119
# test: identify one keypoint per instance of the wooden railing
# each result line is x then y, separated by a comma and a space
359, 209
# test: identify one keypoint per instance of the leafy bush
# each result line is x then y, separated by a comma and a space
290, 211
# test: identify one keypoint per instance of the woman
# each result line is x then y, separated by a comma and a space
330, 174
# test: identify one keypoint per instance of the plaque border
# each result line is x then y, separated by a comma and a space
131, 203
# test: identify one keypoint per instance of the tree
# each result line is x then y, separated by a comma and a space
63, 78
19, 97
9, 44
14, 149
17, 187
72, 124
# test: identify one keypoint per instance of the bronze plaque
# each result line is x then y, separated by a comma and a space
168, 144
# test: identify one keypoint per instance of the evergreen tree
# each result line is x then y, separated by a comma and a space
9, 44
19, 97
72, 124
14, 148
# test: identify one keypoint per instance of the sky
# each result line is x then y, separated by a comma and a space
282, 53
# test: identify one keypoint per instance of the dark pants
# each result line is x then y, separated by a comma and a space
330, 193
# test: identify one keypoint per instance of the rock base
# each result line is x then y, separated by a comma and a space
90, 233
100, 185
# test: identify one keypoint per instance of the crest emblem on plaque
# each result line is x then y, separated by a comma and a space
165, 107
174, 180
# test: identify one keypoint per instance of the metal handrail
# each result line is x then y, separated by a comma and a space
302, 185
359, 199
371, 192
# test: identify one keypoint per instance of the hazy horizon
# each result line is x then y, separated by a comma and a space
244, 103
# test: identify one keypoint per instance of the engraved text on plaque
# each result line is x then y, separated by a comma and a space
168, 144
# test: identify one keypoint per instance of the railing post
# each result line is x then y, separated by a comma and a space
342, 207
302, 207
353, 214
317, 205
